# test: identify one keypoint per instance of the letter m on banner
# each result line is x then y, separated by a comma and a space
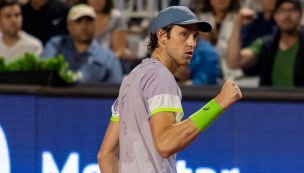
70, 166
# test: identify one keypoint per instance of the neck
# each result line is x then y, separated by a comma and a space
35, 6
11, 40
267, 14
168, 62
81, 46
220, 15
288, 39
101, 15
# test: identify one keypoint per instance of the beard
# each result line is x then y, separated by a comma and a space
292, 26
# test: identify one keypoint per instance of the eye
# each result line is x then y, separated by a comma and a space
185, 35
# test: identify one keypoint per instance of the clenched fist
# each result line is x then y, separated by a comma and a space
246, 16
229, 94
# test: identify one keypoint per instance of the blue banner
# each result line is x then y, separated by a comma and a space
63, 135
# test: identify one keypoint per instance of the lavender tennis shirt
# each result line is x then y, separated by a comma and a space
149, 88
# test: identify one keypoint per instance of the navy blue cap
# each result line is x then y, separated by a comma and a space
296, 3
178, 15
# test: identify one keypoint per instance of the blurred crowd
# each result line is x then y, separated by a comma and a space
253, 42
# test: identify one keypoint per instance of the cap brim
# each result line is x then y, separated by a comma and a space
202, 26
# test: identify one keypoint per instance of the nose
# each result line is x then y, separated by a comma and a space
15, 18
192, 42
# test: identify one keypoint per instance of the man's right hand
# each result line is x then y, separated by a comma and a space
229, 94
246, 16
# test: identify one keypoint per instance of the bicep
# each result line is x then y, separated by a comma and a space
159, 122
110, 142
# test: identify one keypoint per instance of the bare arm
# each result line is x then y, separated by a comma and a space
237, 57
170, 137
119, 42
108, 154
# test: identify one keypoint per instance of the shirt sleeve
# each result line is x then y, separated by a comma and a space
115, 113
50, 50
162, 93
256, 47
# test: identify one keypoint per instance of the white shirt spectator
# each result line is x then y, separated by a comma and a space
27, 43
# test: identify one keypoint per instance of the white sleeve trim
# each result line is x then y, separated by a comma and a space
114, 113
169, 102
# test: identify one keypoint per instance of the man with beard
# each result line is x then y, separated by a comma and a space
282, 62
84, 54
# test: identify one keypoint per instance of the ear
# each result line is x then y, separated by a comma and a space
162, 36
69, 26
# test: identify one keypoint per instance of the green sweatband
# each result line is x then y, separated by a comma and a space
206, 115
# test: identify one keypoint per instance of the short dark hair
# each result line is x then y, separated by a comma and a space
153, 43
4, 3
205, 6
108, 7
296, 3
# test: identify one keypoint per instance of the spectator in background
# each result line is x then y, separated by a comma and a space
282, 60
110, 27
111, 31
264, 24
45, 18
13, 41
204, 68
84, 54
220, 14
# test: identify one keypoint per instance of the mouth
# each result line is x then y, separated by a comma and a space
189, 53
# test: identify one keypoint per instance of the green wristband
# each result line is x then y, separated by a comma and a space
206, 115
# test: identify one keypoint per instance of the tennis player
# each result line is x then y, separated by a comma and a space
146, 129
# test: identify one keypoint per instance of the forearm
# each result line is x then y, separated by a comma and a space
176, 137
234, 46
107, 156
108, 163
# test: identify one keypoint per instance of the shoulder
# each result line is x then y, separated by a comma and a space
267, 40
115, 13
31, 39
56, 39
157, 73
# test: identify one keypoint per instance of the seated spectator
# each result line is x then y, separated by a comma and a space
111, 31
220, 14
110, 27
204, 68
84, 54
13, 41
45, 18
279, 54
